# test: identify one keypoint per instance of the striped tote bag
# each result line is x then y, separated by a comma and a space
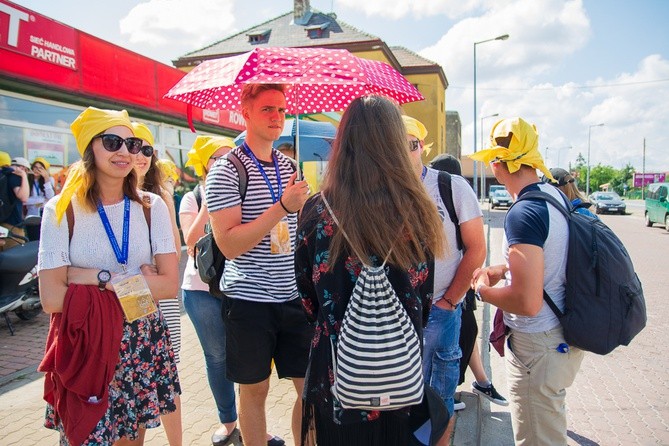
377, 358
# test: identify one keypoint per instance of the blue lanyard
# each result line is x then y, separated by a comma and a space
121, 254
251, 155
422, 175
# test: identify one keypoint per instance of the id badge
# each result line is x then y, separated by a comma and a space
134, 295
280, 239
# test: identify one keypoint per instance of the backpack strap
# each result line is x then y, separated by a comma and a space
69, 214
147, 215
198, 196
446, 192
327, 205
567, 214
241, 171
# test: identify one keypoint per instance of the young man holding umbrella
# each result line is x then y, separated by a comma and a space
256, 233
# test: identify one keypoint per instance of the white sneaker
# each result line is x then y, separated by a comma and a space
458, 405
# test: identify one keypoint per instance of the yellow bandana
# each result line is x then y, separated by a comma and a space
90, 123
523, 147
203, 148
142, 131
44, 162
5, 159
168, 169
416, 129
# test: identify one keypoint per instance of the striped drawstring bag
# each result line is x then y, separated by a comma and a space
377, 359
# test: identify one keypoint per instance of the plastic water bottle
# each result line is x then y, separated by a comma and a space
562, 348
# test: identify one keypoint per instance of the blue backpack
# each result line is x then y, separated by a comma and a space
604, 303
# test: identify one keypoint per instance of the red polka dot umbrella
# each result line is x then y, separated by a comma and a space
319, 80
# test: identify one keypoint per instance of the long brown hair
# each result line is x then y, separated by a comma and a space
373, 190
89, 194
153, 179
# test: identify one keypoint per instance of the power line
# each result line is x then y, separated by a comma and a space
580, 87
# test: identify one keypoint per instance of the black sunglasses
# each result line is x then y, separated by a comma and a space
113, 143
414, 145
147, 151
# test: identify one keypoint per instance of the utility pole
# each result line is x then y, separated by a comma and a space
643, 171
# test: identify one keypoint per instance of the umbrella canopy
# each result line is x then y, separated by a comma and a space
315, 138
318, 79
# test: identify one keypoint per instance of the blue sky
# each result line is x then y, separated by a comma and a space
568, 64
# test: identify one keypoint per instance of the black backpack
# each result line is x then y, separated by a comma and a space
209, 260
604, 303
7, 198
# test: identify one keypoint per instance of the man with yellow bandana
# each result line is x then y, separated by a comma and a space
539, 364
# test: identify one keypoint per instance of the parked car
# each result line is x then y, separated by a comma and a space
501, 197
657, 207
608, 202
493, 188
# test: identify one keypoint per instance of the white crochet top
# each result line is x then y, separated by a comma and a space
90, 247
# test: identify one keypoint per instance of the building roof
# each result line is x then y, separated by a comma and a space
413, 63
321, 30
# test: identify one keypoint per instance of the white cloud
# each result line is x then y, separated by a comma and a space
397, 9
181, 23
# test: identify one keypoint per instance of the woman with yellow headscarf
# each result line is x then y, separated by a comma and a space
151, 179
204, 309
106, 234
42, 189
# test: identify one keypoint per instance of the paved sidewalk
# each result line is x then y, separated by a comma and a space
22, 407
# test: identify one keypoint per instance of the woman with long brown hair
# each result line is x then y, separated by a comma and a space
386, 214
99, 236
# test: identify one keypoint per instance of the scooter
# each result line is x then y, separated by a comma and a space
19, 291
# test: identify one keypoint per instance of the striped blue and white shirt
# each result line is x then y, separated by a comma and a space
256, 275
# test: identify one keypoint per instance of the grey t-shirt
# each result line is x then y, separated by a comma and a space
466, 208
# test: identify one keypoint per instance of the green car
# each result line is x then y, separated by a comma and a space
657, 207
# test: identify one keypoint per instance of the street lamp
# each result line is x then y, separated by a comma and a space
587, 178
504, 37
483, 179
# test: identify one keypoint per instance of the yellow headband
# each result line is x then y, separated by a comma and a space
5, 159
142, 131
416, 129
44, 162
203, 148
523, 148
90, 123
168, 169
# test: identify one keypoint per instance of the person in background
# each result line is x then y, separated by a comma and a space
203, 308
452, 271
96, 229
171, 174
374, 197
151, 179
471, 356
567, 184
536, 238
287, 149
18, 191
42, 189
256, 233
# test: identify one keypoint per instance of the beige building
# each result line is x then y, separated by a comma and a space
305, 27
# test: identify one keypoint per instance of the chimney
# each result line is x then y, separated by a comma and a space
301, 12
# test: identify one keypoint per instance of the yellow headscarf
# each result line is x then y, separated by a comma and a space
168, 169
44, 162
142, 131
203, 148
416, 129
5, 159
90, 123
523, 147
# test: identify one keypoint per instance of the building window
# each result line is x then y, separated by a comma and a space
316, 31
259, 36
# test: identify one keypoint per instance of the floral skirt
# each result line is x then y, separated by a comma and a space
144, 386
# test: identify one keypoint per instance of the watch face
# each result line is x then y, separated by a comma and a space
104, 276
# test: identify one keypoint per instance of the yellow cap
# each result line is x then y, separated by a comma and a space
523, 147
93, 121
5, 159
142, 131
168, 169
203, 148
44, 162
416, 129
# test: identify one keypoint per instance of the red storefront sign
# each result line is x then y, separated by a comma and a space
25, 32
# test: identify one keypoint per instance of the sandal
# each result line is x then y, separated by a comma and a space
225, 440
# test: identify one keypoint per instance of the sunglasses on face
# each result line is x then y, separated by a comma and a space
414, 145
147, 151
113, 143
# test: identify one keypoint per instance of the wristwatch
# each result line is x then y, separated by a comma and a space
477, 293
104, 277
